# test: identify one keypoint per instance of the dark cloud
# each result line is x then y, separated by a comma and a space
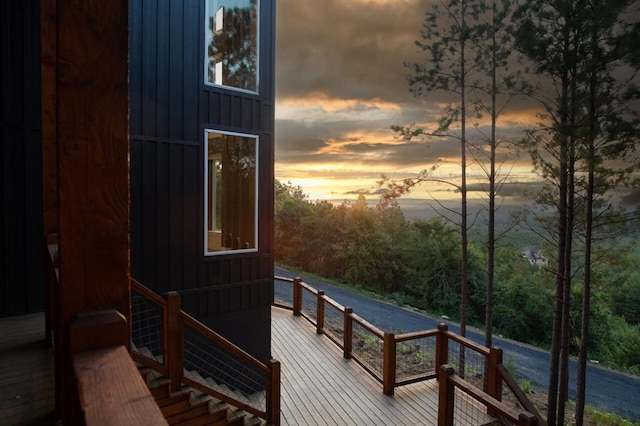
346, 49
354, 51
632, 199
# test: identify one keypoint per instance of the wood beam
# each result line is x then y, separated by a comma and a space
91, 133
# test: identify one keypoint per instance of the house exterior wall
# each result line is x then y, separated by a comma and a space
21, 242
170, 108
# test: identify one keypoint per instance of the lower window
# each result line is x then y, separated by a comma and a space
230, 192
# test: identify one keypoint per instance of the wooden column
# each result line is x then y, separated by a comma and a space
494, 378
446, 395
320, 312
297, 296
442, 346
174, 341
91, 134
348, 333
389, 364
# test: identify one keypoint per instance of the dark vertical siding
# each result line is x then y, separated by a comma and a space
170, 108
20, 159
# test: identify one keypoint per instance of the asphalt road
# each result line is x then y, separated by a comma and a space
606, 389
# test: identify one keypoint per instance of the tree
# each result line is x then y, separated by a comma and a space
611, 134
496, 85
562, 39
445, 69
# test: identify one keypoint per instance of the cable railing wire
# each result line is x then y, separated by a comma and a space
209, 364
146, 326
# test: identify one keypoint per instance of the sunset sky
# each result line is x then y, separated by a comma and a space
341, 84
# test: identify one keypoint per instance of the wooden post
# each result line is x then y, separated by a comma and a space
174, 341
297, 296
89, 120
320, 312
442, 346
348, 333
98, 329
494, 379
273, 393
389, 364
446, 395
527, 419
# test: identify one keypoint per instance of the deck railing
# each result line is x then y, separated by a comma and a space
400, 359
172, 342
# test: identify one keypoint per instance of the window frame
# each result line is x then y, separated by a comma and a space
205, 79
205, 216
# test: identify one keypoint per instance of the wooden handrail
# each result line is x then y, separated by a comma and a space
446, 401
468, 343
484, 398
517, 392
415, 335
111, 390
215, 337
333, 303
147, 293
366, 324
174, 321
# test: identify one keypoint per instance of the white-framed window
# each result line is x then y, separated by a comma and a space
231, 44
230, 192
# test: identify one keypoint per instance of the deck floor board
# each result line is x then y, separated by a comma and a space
26, 372
320, 387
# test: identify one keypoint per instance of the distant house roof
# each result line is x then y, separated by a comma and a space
533, 255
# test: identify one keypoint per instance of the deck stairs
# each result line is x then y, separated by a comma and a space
191, 407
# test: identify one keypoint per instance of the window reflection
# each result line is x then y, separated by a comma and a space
232, 43
230, 192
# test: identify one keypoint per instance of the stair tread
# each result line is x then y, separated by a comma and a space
171, 407
206, 419
188, 413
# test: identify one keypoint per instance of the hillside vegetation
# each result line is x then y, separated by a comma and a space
417, 262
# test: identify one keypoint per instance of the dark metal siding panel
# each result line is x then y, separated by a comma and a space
176, 70
136, 186
163, 205
146, 201
149, 67
21, 268
169, 114
193, 230
176, 227
135, 71
192, 63
163, 81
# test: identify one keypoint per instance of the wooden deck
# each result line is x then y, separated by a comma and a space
320, 387
26, 372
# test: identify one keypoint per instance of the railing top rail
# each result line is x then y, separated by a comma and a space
416, 335
372, 328
149, 294
309, 288
279, 278
333, 303
468, 343
132, 404
207, 332
520, 396
484, 398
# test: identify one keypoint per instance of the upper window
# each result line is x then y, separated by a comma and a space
231, 40
230, 192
